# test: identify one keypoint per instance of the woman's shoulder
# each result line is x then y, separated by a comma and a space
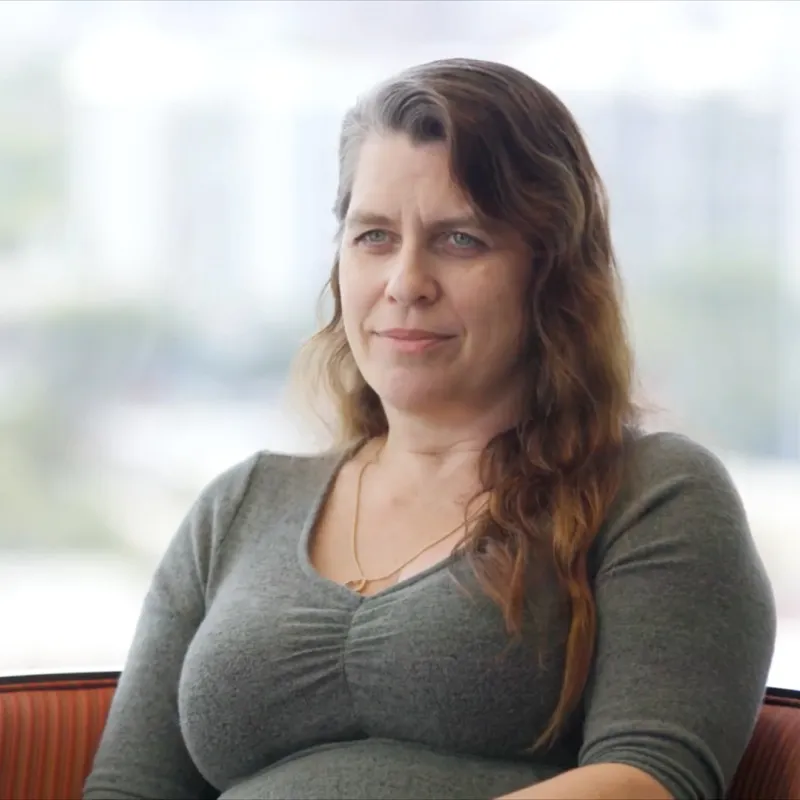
665, 466
258, 487
675, 493
663, 455
251, 495
266, 476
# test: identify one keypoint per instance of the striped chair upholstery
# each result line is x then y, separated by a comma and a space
50, 727
770, 768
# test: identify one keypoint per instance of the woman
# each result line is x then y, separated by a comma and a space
498, 586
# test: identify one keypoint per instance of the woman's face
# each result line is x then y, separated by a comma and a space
431, 297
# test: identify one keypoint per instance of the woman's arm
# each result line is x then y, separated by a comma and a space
686, 631
596, 782
142, 755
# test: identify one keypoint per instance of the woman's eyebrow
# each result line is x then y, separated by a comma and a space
364, 217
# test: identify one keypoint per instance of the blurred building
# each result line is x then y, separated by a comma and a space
666, 163
206, 178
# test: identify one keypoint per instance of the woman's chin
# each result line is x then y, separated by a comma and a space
415, 397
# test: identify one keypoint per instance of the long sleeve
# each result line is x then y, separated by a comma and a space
142, 752
686, 624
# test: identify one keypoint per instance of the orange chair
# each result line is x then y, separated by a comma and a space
50, 726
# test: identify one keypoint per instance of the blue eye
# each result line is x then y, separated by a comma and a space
465, 244
376, 237
463, 240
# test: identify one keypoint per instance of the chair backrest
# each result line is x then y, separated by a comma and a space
770, 767
50, 726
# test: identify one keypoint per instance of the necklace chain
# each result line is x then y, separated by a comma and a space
360, 583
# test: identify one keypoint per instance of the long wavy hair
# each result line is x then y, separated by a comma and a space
519, 155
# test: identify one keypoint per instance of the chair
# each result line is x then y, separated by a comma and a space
50, 726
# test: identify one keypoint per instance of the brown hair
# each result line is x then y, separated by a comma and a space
520, 157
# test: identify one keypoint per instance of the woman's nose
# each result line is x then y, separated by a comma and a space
411, 279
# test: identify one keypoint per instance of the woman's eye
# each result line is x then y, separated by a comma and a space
374, 237
463, 241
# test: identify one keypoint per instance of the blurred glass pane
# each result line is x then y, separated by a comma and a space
167, 170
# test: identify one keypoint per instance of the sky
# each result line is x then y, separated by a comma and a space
194, 46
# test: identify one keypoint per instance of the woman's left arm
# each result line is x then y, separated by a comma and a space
596, 782
686, 632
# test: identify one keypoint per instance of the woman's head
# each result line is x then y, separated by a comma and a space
470, 209
430, 289
527, 288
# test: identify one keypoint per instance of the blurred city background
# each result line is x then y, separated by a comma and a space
167, 170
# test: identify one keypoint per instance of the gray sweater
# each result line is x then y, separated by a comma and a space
251, 676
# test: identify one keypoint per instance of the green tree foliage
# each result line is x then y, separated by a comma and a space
715, 334
32, 142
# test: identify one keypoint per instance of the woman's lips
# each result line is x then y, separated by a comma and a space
412, 340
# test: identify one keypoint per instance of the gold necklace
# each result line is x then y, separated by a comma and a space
360, 583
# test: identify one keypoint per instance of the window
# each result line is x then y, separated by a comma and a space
167, 171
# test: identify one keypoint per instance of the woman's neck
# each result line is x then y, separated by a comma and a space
430, 448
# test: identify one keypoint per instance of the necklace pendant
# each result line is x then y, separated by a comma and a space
357, 585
